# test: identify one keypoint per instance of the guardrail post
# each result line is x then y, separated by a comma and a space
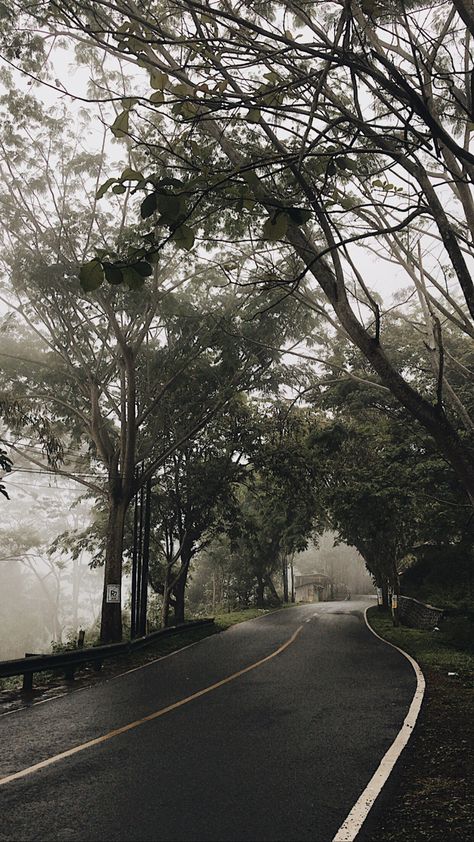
27, 686
69, 672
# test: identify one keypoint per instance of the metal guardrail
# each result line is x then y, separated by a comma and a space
70, 660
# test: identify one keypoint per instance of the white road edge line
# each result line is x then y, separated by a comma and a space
357, 816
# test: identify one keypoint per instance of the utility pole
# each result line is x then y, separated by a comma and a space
140, 557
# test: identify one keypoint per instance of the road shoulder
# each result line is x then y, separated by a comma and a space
430, 795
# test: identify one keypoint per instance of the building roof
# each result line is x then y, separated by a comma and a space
312, 579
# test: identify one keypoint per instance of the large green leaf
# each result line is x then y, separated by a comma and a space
133, 279
148, 206
171, 207
158, 80
113, 274
299, 215
128, 102
253, 115
131, 175
142, 268
252, 179
184, 237
91, 275
119, 127
104, 187
157, 98
276, 227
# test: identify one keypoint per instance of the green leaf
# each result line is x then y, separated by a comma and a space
276, 228
252, 179
133, 279
184, 237
104, 187
299, 215
352, 165
253, 115
91, 275
118, 189
271, 76
148, 206
157, 98
143, 268
169, 181
188, 110
171, 207
131, 175
158, 80
128, 102
346, 202
119, 128
181, 89
112, 273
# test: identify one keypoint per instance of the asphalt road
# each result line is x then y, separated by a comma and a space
280, 752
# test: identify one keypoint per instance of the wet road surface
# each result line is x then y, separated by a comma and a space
280, 751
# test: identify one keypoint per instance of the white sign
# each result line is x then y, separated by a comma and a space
379, 596
113, 593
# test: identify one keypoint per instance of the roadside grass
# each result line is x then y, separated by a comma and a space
48, 683
432, 649
432, 787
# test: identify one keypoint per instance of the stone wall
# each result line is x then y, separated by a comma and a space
417, 615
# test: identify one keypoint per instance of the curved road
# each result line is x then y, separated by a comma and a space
280, 751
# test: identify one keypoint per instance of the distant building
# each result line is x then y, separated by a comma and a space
315, 587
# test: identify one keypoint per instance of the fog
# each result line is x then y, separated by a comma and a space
342, 563
45, 597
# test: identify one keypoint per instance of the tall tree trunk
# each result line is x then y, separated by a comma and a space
179, 592
284, 572
111, 625
395, 595
292, 572
384, 588
272, 589
179, 587
260, 592
165, 608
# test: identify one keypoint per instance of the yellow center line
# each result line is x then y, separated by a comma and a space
131, 725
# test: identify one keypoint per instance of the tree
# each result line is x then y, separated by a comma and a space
5, 465
194, 499
388, 491
368, 500
279, 498
106, 360
350, 119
